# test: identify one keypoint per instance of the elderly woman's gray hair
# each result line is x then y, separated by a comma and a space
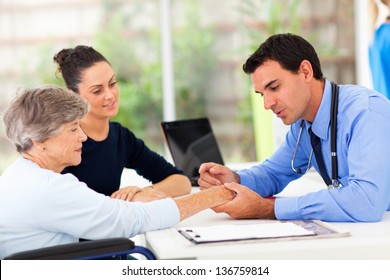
39, 113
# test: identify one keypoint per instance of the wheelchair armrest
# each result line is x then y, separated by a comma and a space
93, 249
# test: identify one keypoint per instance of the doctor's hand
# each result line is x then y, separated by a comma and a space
213, 174
247, 204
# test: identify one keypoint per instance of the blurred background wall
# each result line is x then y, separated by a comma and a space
210, 42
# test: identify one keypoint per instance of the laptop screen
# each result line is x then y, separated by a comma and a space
191, 143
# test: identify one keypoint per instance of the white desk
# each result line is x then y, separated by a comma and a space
367, 240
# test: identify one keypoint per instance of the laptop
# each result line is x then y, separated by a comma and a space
191, 142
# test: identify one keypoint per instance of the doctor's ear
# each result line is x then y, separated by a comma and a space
306, 69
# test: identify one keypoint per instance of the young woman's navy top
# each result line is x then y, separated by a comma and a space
102, 162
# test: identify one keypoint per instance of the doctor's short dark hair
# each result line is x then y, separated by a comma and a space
288, 50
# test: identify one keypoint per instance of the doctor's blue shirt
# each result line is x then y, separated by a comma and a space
363, 151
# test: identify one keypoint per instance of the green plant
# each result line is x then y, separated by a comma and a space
268, 17
140, 77
195, 62
277, 17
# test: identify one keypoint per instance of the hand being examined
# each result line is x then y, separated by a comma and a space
247, 204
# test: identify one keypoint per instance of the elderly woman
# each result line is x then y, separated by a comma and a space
40, 207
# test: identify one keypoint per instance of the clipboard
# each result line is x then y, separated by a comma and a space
274, 230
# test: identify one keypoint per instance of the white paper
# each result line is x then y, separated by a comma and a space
241, 232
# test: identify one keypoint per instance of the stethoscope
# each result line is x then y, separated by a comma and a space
333, 134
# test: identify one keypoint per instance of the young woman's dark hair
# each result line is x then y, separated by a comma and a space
71, 62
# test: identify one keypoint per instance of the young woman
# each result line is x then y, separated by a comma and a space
111, 147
